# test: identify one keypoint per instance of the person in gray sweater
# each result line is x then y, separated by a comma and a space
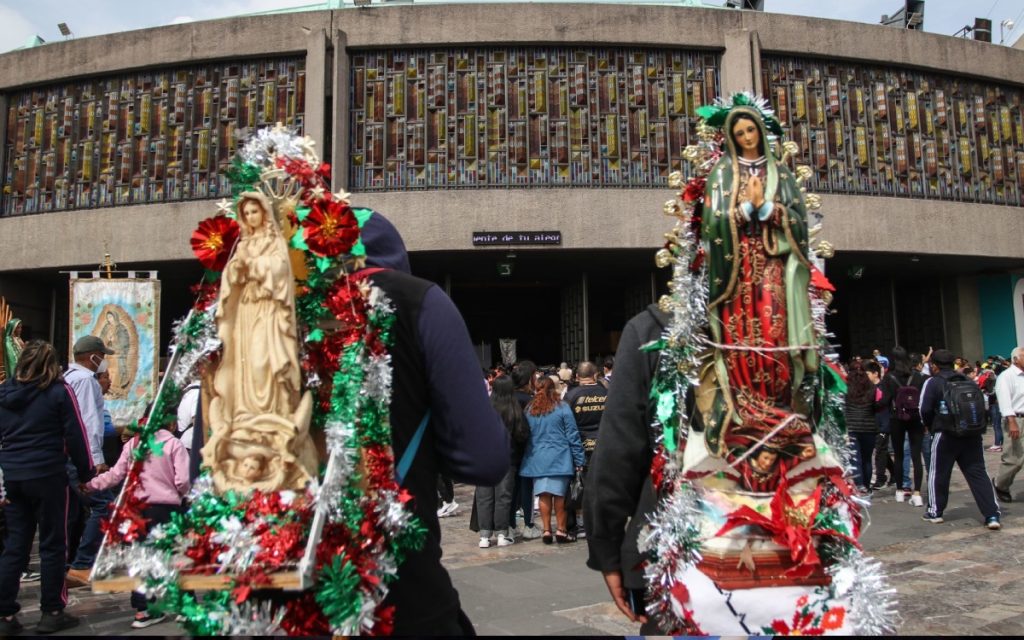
861, 427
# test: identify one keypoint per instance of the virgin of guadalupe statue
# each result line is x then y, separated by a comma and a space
259, 415
13, 345
754, 227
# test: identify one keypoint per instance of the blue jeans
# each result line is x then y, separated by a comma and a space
92, 535
863, 449
997, 422
522, 496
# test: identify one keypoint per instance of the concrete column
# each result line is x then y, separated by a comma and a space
340, 108
737, 62
963, 317
316, 87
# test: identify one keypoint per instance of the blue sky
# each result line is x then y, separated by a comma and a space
21, 19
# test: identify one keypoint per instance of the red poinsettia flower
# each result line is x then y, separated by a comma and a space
213, 241
330, 228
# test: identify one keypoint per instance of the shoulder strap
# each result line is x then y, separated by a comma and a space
410, 451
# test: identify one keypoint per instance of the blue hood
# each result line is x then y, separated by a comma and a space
384, 246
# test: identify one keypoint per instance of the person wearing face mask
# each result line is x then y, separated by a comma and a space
89, 352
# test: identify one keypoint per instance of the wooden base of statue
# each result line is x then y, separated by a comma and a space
730, 571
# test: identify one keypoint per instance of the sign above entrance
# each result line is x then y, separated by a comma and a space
503, 238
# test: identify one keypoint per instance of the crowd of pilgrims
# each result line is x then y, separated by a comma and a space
553, 416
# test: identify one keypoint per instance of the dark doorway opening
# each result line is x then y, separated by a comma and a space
528, 313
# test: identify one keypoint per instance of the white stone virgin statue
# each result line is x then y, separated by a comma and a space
259, 415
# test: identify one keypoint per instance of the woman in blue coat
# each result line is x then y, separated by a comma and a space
553, 454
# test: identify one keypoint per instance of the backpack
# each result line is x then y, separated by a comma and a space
963, 407
906, 404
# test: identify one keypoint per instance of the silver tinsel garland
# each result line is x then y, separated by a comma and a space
862, 581
195, 349
273, 142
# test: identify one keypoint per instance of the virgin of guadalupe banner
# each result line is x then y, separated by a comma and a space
125, 314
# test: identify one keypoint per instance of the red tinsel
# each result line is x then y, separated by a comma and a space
255, 577
330, 228
345, 301
213, 241
304, 617
698, 261
658, 467
205, 294
280, 544
299, 169
204, 552
694, 189
379, 464
126, 523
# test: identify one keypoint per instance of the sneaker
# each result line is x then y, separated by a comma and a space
504, 541
1002, 494
916, 500
927, 517
531, 533
55, 621
30, 576
10, 626
992, 523
447, 509
901, 495
995, 448
145, 619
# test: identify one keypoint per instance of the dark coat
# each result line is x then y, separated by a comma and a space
40, 429
619, 490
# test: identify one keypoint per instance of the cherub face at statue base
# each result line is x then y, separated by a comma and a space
251, 467
764, 460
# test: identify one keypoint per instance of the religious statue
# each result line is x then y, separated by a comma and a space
757, 385
13, 345
756, 526
259, 414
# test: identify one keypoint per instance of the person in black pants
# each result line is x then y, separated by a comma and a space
966, 451
40, 428
904, 423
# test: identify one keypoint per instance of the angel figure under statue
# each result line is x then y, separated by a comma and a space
259, 415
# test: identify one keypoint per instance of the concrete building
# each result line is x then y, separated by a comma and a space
459, 119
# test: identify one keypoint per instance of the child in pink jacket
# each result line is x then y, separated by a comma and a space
164, 483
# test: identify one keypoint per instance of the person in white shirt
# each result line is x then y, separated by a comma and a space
1010, 395
187, 414
89, 353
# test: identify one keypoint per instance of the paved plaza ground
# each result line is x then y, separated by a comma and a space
955, 578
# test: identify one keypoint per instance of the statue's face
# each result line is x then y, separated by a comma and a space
250, 468
252, 213
746, 134
17, 330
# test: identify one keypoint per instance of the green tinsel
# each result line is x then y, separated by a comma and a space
338, 592
408, 540
242, 176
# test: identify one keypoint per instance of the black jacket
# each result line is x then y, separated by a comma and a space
40, 429
619, 492
931, 395
435, 368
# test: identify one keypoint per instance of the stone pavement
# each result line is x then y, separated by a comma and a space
955, 578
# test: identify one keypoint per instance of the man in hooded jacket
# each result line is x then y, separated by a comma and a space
619, 493
435, 370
